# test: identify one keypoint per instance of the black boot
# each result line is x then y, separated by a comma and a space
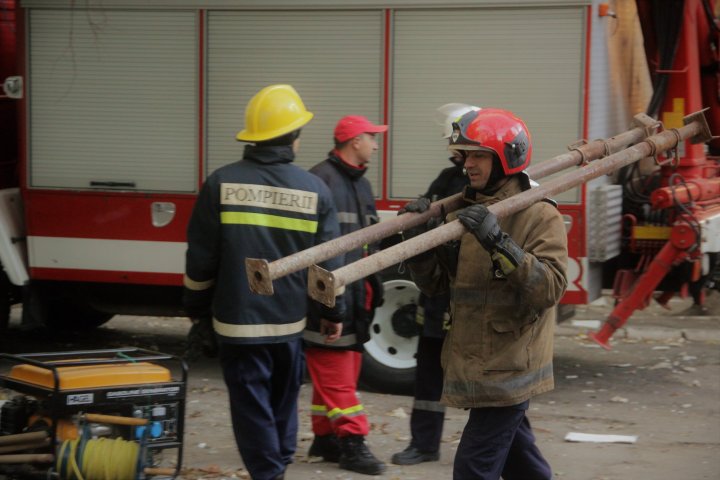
355, 456
413, 456
325, 446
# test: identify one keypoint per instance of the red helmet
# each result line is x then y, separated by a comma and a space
497, 131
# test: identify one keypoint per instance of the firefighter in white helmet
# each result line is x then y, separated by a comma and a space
505, 281
262, 206
428, 414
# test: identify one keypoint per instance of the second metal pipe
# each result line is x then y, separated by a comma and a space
262, 273
323, 285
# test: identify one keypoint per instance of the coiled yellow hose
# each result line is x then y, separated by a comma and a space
101, 459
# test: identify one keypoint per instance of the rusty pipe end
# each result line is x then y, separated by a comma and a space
705, 134
321, 285
258, 274
643, 120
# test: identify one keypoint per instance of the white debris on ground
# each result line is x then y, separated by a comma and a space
599, 438
398, 413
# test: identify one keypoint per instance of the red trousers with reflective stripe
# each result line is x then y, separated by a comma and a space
335, 405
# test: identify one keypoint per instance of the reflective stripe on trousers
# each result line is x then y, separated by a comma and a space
335, 405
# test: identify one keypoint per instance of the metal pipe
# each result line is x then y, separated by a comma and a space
262, 273
27, 458
115, 419
19, 447
40, 435
153, 471
322, 284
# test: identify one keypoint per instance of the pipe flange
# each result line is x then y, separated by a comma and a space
575, 147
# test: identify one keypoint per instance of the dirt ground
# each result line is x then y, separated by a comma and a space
660, 382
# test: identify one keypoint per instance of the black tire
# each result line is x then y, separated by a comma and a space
389, 357
57, 309
379, 378
66, 316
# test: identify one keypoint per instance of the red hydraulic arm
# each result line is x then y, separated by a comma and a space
682, 41
675, 251
707, 190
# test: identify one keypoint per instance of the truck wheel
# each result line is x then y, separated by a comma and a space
66, 316
389, 358
58, 310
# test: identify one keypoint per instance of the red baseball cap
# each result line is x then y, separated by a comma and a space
354, 125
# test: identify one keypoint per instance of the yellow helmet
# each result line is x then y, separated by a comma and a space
273, 112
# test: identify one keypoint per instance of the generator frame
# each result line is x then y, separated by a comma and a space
61, 402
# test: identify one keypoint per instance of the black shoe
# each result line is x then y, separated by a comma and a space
325, 446
356, 457
413, 456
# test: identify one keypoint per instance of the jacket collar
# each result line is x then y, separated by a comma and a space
350, 170
269, 155
512, 186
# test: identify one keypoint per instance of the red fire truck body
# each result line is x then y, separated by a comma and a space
114, 113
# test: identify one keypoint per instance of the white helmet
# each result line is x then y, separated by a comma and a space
449, 113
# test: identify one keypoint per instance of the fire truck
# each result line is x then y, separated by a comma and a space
113, 113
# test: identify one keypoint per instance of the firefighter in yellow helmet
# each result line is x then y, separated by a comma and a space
273, 113
262, 206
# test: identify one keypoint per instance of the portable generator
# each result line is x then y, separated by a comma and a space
92, 415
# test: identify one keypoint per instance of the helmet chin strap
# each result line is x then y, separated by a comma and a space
496, 178
458, 162
496, 174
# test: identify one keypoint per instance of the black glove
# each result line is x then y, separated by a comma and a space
420, 205
505, 253
201, 340
483, 224
198, 303
378, 291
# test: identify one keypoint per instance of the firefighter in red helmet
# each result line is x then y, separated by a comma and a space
505, 277
501, 135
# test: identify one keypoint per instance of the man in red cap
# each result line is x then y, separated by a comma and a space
339, 421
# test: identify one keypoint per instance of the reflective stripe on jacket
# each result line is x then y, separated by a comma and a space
260, 207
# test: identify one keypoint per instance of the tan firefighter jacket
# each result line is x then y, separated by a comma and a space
499, 349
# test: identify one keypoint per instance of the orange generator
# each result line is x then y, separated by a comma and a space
92, 415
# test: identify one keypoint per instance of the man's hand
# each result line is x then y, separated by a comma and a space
201, 340
420, 205
331, 330
483, 224
506, 254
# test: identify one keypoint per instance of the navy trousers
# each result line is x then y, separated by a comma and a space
428, 414
499, 442
263, 383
